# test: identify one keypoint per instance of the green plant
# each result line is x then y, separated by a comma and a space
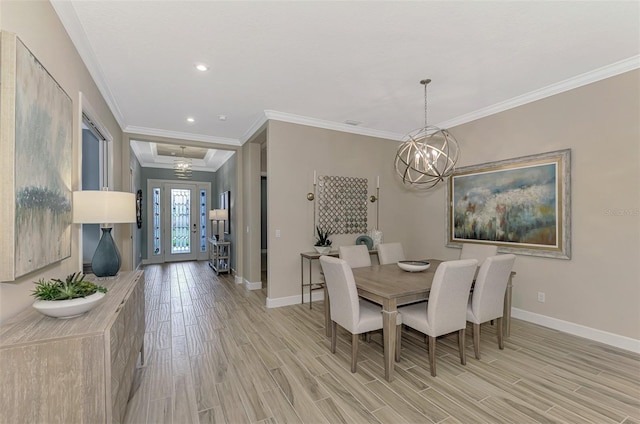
323, 237
73, 287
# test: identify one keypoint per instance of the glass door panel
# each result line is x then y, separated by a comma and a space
182, 222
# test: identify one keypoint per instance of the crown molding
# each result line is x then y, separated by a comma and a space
170, 166
254, 128
608, 71
329, 125
181, 136
67, 15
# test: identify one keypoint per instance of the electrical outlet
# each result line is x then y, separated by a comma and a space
541, 297
277, 233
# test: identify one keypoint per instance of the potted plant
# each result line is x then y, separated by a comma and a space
323, 244
67, 299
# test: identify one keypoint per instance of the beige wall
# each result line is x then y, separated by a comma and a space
252, 230
598, 288
293, 153
38, 26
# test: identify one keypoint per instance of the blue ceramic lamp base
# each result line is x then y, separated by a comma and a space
106, 259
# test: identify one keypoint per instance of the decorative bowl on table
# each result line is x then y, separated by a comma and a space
68, 308
414, 266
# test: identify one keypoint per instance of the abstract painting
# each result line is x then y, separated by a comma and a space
521, 205
38, 168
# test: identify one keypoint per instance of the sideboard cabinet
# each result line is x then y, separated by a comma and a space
74, 370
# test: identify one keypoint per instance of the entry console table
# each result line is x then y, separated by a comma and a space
78, 369
219, 255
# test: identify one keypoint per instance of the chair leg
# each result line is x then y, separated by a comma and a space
398, 342
354, 351
461, 346
500, 335
476, 340
432, 355
334, 328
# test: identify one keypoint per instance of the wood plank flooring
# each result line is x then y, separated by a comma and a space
215, 354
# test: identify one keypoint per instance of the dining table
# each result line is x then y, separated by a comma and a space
391, 286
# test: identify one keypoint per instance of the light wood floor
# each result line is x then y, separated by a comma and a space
216, 354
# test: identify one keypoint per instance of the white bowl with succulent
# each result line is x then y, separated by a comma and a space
323, 244
67, 299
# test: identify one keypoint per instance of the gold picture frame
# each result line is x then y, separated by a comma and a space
522, 205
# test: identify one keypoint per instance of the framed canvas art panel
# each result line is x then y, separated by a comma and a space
36, 135
522, 205
225, 203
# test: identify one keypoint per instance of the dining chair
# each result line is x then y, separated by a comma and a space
390, 253
356, 255
355, 315
487, 301
478, 251
446, 309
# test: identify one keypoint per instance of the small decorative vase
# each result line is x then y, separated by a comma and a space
323, 250
68, 308
376, 236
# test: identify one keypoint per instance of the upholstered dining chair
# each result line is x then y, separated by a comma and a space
355, 315
390, 253
478, 251
446, 309
356, 255
487, 300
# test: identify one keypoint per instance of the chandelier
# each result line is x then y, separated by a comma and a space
182, 166
427, 155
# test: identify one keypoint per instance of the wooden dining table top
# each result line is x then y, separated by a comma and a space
390, 281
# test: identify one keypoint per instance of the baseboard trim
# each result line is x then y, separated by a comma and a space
238, 279
616, 340
252, 286
293, 300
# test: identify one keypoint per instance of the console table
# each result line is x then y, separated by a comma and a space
219, 255
78, 369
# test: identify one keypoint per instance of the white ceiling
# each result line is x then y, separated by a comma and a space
323, 63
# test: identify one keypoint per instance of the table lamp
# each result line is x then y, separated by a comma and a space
219, 215
105, 208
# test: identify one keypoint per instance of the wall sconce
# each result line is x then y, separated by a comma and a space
374, 198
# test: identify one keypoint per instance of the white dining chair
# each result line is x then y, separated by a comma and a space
355, 315
390, 253
356, 255
487, 300
446, 309
478, 251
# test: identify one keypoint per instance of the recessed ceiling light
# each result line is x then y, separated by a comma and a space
202, 67
191, 119
222, 117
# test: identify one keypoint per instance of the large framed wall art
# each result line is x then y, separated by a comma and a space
342, 204
522, 205
36, 133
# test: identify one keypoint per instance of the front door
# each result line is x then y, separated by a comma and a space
181, 224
